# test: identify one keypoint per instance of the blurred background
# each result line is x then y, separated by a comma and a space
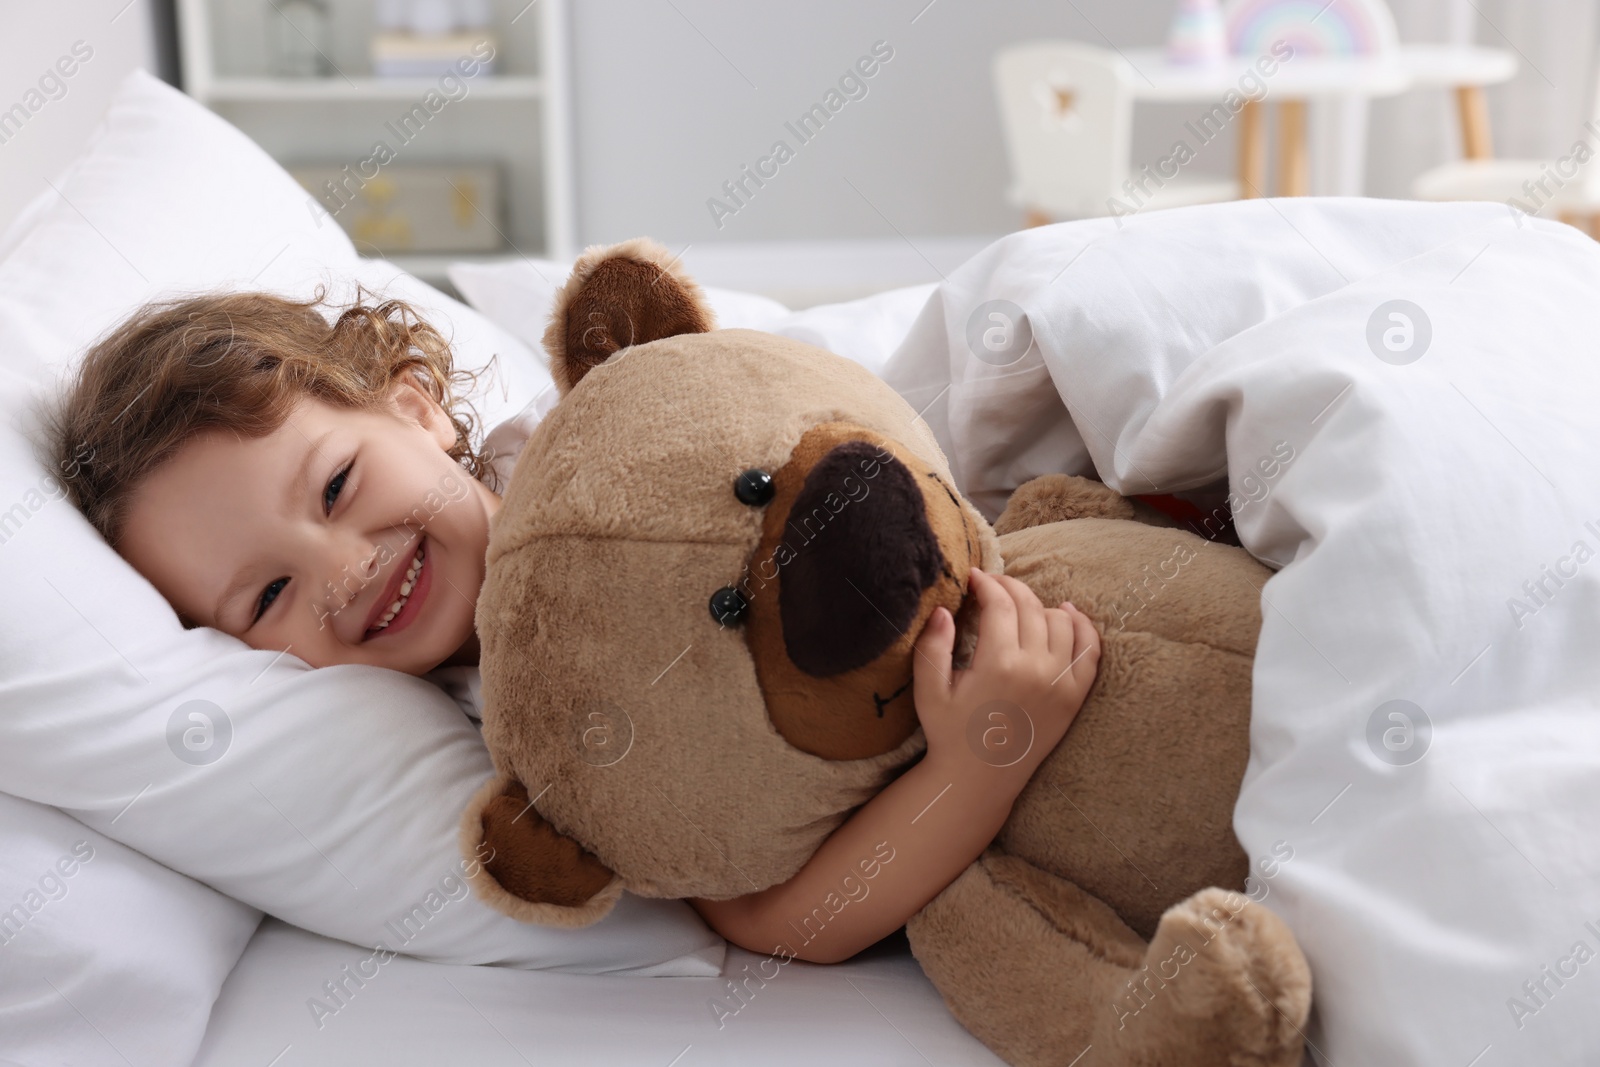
596, 121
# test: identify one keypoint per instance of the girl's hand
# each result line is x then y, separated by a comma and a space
928, 824
1030, 673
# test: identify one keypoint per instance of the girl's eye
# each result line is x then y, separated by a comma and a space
335, 486
268, 595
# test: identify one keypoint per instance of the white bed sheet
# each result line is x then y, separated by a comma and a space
877, 1009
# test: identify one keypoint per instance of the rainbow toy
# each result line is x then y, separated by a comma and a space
1312, 27
1196, 36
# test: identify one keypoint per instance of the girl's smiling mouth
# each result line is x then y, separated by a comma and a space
402, 601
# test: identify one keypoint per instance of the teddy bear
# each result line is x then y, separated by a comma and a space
703, 590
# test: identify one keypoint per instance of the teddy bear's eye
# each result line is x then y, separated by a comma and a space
754, 487
728, 606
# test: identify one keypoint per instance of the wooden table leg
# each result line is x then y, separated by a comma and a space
1252, 152
1474, 109
1581, 220
1294, 170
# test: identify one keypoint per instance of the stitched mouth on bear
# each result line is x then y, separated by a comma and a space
861, 540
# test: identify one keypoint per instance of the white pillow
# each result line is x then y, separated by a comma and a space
332, 796
106, 954
517, 296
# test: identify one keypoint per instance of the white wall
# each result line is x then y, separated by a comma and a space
673, 98
1537, 115
664, 113
33, 36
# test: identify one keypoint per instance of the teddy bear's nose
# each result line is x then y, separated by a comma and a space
864, 554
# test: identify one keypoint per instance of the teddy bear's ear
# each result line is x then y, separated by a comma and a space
521, 865
618, 296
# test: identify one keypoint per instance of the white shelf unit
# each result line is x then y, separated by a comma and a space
519, 117
237, 90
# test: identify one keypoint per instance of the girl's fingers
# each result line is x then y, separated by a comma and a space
1063, 636
997, 617
930, 673
1033, 632
1086, 649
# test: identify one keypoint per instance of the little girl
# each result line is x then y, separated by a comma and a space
314, 489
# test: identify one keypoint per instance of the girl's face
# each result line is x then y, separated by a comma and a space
306, 539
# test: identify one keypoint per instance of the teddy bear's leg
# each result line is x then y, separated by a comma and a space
1041, 971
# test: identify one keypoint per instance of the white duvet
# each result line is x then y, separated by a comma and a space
1405, 403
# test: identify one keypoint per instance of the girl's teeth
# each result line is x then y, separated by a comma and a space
405, 591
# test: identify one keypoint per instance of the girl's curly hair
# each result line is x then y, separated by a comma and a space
240, 362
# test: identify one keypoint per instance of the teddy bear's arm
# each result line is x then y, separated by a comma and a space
1057, 497
1222, 980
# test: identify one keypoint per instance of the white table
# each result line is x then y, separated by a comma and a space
1465, 68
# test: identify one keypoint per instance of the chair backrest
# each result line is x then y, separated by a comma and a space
1590, 174
1313, 27
1068, 116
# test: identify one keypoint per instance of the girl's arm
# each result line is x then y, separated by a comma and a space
1032, 666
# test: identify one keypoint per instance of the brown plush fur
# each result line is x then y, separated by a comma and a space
694, 758
1058, 497
619, 525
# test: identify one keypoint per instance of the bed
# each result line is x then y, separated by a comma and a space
878, 1008
108, 955
1396, 403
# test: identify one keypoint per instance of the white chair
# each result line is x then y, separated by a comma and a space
1561, 187
1068, 119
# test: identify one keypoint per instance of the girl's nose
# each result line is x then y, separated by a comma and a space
347, 570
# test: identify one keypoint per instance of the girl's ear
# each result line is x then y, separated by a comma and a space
413, 404
618, 296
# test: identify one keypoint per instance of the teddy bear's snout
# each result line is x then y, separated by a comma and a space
861, 541
855, 585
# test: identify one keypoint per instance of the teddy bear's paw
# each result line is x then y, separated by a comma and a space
1058, 497
1225, 981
